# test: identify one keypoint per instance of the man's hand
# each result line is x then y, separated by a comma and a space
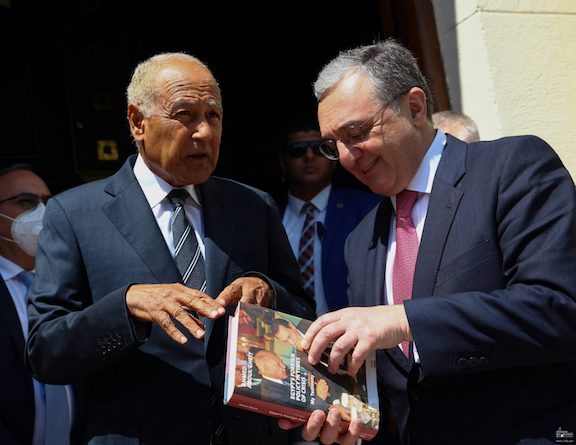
356, 329
252, 290
163, 303
326, 428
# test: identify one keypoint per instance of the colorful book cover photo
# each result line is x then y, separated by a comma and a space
267, 372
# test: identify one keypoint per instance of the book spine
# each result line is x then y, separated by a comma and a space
285, 412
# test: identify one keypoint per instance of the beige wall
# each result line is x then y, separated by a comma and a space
511, 66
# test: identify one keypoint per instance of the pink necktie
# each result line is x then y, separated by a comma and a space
406, 251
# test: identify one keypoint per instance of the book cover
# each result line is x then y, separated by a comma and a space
267, 372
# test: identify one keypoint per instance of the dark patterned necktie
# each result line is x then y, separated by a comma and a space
190, 262
406, 251
306, 248
187, 252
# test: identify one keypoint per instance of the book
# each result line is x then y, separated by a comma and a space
268, 373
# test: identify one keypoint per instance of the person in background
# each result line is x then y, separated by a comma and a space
458, 125
135, 273
462, 280
29, 411
335, 212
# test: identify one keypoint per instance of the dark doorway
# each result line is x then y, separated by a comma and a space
68, 87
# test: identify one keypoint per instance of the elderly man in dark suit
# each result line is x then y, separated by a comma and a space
135, 273
463, 278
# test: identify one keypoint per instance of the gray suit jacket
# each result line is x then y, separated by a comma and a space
493, 312
100, 238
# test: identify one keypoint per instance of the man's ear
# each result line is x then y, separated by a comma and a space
417, 104
136, 121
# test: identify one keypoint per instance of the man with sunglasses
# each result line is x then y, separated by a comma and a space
462, 280
27, 411
338, 210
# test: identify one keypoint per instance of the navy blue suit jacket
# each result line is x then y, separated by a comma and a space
16, 390
346, 208
100, 238
493, 313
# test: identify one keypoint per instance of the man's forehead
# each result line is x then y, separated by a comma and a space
189, 76
20, 179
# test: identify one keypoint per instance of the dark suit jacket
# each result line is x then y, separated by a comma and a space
346, 208
16, 390
100, 238
493, 313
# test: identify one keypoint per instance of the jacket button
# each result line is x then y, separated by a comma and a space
473, 362
462, 363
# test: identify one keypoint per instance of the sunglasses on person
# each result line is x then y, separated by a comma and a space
27, 201
299, 149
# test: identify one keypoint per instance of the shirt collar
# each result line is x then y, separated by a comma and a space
422, 181
320, 201
9, 269
154, 187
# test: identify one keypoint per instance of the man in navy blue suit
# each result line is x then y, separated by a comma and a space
490, 319
308, 175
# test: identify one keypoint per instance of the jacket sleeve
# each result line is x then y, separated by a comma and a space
511, 301
70, 336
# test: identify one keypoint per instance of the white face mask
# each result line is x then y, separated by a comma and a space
26, 227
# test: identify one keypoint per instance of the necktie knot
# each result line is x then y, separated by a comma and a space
177, 197
309, 209
405, 201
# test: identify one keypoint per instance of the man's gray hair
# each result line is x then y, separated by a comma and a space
141, 91
458, 124
391, 67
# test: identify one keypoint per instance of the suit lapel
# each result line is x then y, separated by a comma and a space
130, 213
219, 234
376, 257
444, 201
334, 212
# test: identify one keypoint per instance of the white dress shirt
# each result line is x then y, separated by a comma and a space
155, 190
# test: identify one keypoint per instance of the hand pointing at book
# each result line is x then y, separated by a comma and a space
252, 290
163, 303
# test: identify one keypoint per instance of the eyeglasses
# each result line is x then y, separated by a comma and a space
353, 134
27, 201
299, 149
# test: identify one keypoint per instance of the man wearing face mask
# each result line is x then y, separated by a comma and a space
30, 412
